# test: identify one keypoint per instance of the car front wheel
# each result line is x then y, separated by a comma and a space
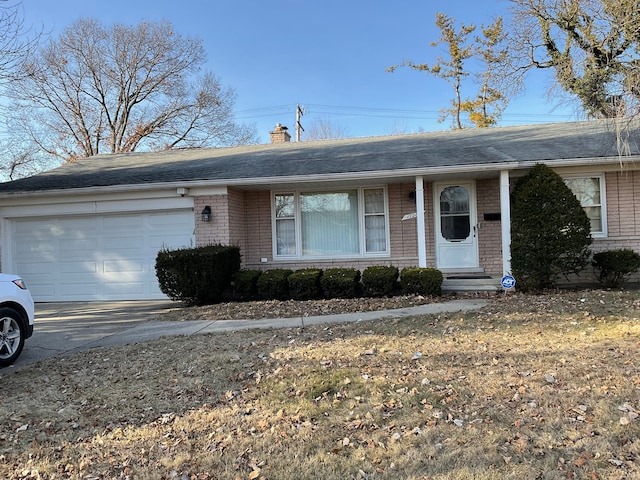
12, 335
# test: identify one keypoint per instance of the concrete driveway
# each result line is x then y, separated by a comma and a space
63, 328
66, 328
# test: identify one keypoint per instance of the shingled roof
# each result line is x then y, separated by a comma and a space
499, 148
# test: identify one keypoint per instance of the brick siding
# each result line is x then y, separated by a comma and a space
489, 232
243, 218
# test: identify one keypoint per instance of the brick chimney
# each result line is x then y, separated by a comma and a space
280, 134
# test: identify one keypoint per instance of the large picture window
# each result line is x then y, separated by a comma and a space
343, 223
590, 192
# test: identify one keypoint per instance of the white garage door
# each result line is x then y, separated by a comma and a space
101, 257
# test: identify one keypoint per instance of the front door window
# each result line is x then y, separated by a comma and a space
455, 219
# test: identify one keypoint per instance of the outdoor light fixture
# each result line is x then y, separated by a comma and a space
206, 214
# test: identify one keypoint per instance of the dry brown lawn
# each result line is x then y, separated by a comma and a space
530, 387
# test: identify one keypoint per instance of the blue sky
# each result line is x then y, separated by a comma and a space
329, 56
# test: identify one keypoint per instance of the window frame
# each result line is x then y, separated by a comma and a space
362, 240
603, 200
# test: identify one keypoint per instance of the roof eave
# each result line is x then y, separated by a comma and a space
381, 175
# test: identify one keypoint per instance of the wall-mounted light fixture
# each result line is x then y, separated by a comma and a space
205, 216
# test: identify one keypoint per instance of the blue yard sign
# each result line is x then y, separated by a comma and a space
508, 282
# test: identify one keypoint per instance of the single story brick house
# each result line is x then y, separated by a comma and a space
91, 230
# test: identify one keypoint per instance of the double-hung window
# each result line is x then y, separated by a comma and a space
590, 191
330, 224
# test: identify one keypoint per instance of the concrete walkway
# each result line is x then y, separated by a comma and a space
66, 328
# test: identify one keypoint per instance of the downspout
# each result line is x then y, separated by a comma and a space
505, 215
422, 231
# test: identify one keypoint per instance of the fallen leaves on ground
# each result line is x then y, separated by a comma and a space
531, 386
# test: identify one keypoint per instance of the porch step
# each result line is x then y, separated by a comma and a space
461, 282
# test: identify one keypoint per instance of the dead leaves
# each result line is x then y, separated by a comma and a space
528, 381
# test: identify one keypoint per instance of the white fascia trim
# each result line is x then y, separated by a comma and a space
96, 207
126, 191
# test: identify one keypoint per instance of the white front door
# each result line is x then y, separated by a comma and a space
456, 226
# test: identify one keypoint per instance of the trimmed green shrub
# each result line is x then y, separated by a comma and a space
380, 281
273, 284
245, 284
550, 231
305, 284
197, 276
421, 281
340, 283
613, 267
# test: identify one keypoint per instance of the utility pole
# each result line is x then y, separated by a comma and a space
299, 129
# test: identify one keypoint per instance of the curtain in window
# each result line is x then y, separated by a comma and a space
374, 221
329, 223
587, 191
285, 224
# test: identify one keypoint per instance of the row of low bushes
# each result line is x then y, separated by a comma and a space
210, 274
315, 283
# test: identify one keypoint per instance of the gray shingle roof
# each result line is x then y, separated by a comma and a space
359, 156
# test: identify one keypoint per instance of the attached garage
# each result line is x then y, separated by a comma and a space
108, 256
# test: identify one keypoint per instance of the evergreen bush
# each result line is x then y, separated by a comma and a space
273, 284
613, 267
304, 284
421, 281
380, 281
340, 283
550, 231
245, 284
197, 276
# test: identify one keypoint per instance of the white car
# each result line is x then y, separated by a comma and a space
16, 317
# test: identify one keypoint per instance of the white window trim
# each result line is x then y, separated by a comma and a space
603, 200
361, 224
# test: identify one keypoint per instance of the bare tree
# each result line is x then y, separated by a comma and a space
592, 47
121, 89
16, 40
324, 129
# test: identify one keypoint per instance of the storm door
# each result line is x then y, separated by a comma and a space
456, 226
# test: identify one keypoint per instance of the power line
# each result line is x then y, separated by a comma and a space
374, 112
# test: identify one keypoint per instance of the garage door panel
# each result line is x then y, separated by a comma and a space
42, 291
78, 224
78, 245
133, 242
78, 267
35, 247
79, 290
123, 267
128, 290
36, 268
103, 257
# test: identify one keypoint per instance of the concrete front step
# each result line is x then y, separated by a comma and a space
461, 282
